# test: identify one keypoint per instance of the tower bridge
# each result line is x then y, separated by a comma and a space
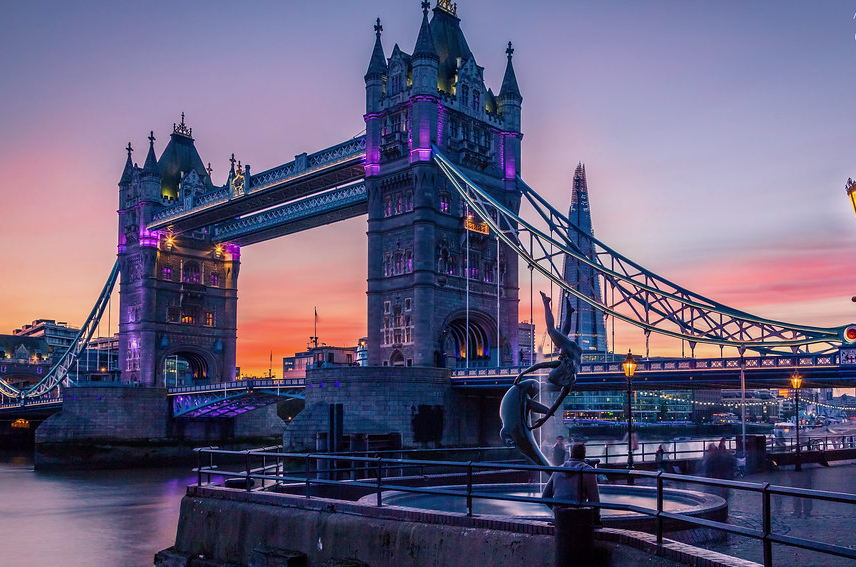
438, 176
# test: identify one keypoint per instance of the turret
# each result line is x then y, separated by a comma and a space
375, 78
423, 93
150, 178
508, 104
425, 59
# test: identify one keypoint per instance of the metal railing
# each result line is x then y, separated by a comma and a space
376, 475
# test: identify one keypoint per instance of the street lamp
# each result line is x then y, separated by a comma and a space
629, 365
796, 382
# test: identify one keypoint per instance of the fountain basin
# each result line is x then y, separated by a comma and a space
678, 501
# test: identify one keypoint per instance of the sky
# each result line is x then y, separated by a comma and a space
717, 139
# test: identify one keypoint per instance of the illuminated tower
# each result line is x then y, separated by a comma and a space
438, 293
588, 327
178, 293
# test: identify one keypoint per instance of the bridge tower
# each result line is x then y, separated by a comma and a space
178, 292
588, 327
435, 288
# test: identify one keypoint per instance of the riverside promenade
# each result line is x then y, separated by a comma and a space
820, 521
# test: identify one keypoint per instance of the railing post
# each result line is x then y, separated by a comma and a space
765, 525
264, 469
198, 467
307, 476
606, 454
210, 463
660, 513
379, 475
469, 489
248, 469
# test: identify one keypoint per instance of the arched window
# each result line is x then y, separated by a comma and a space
191, 273
476, 99
215, 279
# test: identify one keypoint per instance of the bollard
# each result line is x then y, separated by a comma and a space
322, 465
574, 535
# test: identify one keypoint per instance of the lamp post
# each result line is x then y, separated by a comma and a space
629, 365
796, 382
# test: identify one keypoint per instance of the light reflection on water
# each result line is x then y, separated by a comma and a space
117, 518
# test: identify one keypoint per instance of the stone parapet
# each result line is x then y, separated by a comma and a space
417, 403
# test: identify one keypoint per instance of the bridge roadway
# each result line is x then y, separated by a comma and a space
229, 399
818, 371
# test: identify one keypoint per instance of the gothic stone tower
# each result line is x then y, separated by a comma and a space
424, 267
178, 292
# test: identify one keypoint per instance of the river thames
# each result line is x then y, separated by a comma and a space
116, 518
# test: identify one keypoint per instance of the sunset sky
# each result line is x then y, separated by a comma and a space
717, 138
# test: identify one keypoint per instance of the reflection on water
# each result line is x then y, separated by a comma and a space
117, 518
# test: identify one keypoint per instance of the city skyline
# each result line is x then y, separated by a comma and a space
715, 139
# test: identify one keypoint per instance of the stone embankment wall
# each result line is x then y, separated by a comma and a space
220, 527
126, 426
418, 403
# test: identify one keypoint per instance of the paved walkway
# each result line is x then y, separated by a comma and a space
826, 522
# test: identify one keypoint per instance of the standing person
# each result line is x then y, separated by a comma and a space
574, 485
660, 458
559, 453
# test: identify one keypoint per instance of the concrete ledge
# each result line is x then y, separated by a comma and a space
228, 526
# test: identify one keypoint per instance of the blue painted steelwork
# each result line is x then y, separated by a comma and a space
58, 374
341, 203
306, 175
645, 299
32, 405
823, 370
231, 398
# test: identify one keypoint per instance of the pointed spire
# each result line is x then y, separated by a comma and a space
579, 188
425, 47
377, 65
129, 167
151, 161
509, 82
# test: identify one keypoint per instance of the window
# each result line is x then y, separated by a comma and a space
215, 279
209, 318
398, 264
191, 273
167, 272
387, 206
399, 204
408, 261
330, 357
408, 202
444, 201
476, 99
190, 316
407, 304
173, 314
349, 358
386, 306
454, 128
395, 84
465, 94
387, 271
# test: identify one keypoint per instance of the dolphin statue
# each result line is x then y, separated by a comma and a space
517, 403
